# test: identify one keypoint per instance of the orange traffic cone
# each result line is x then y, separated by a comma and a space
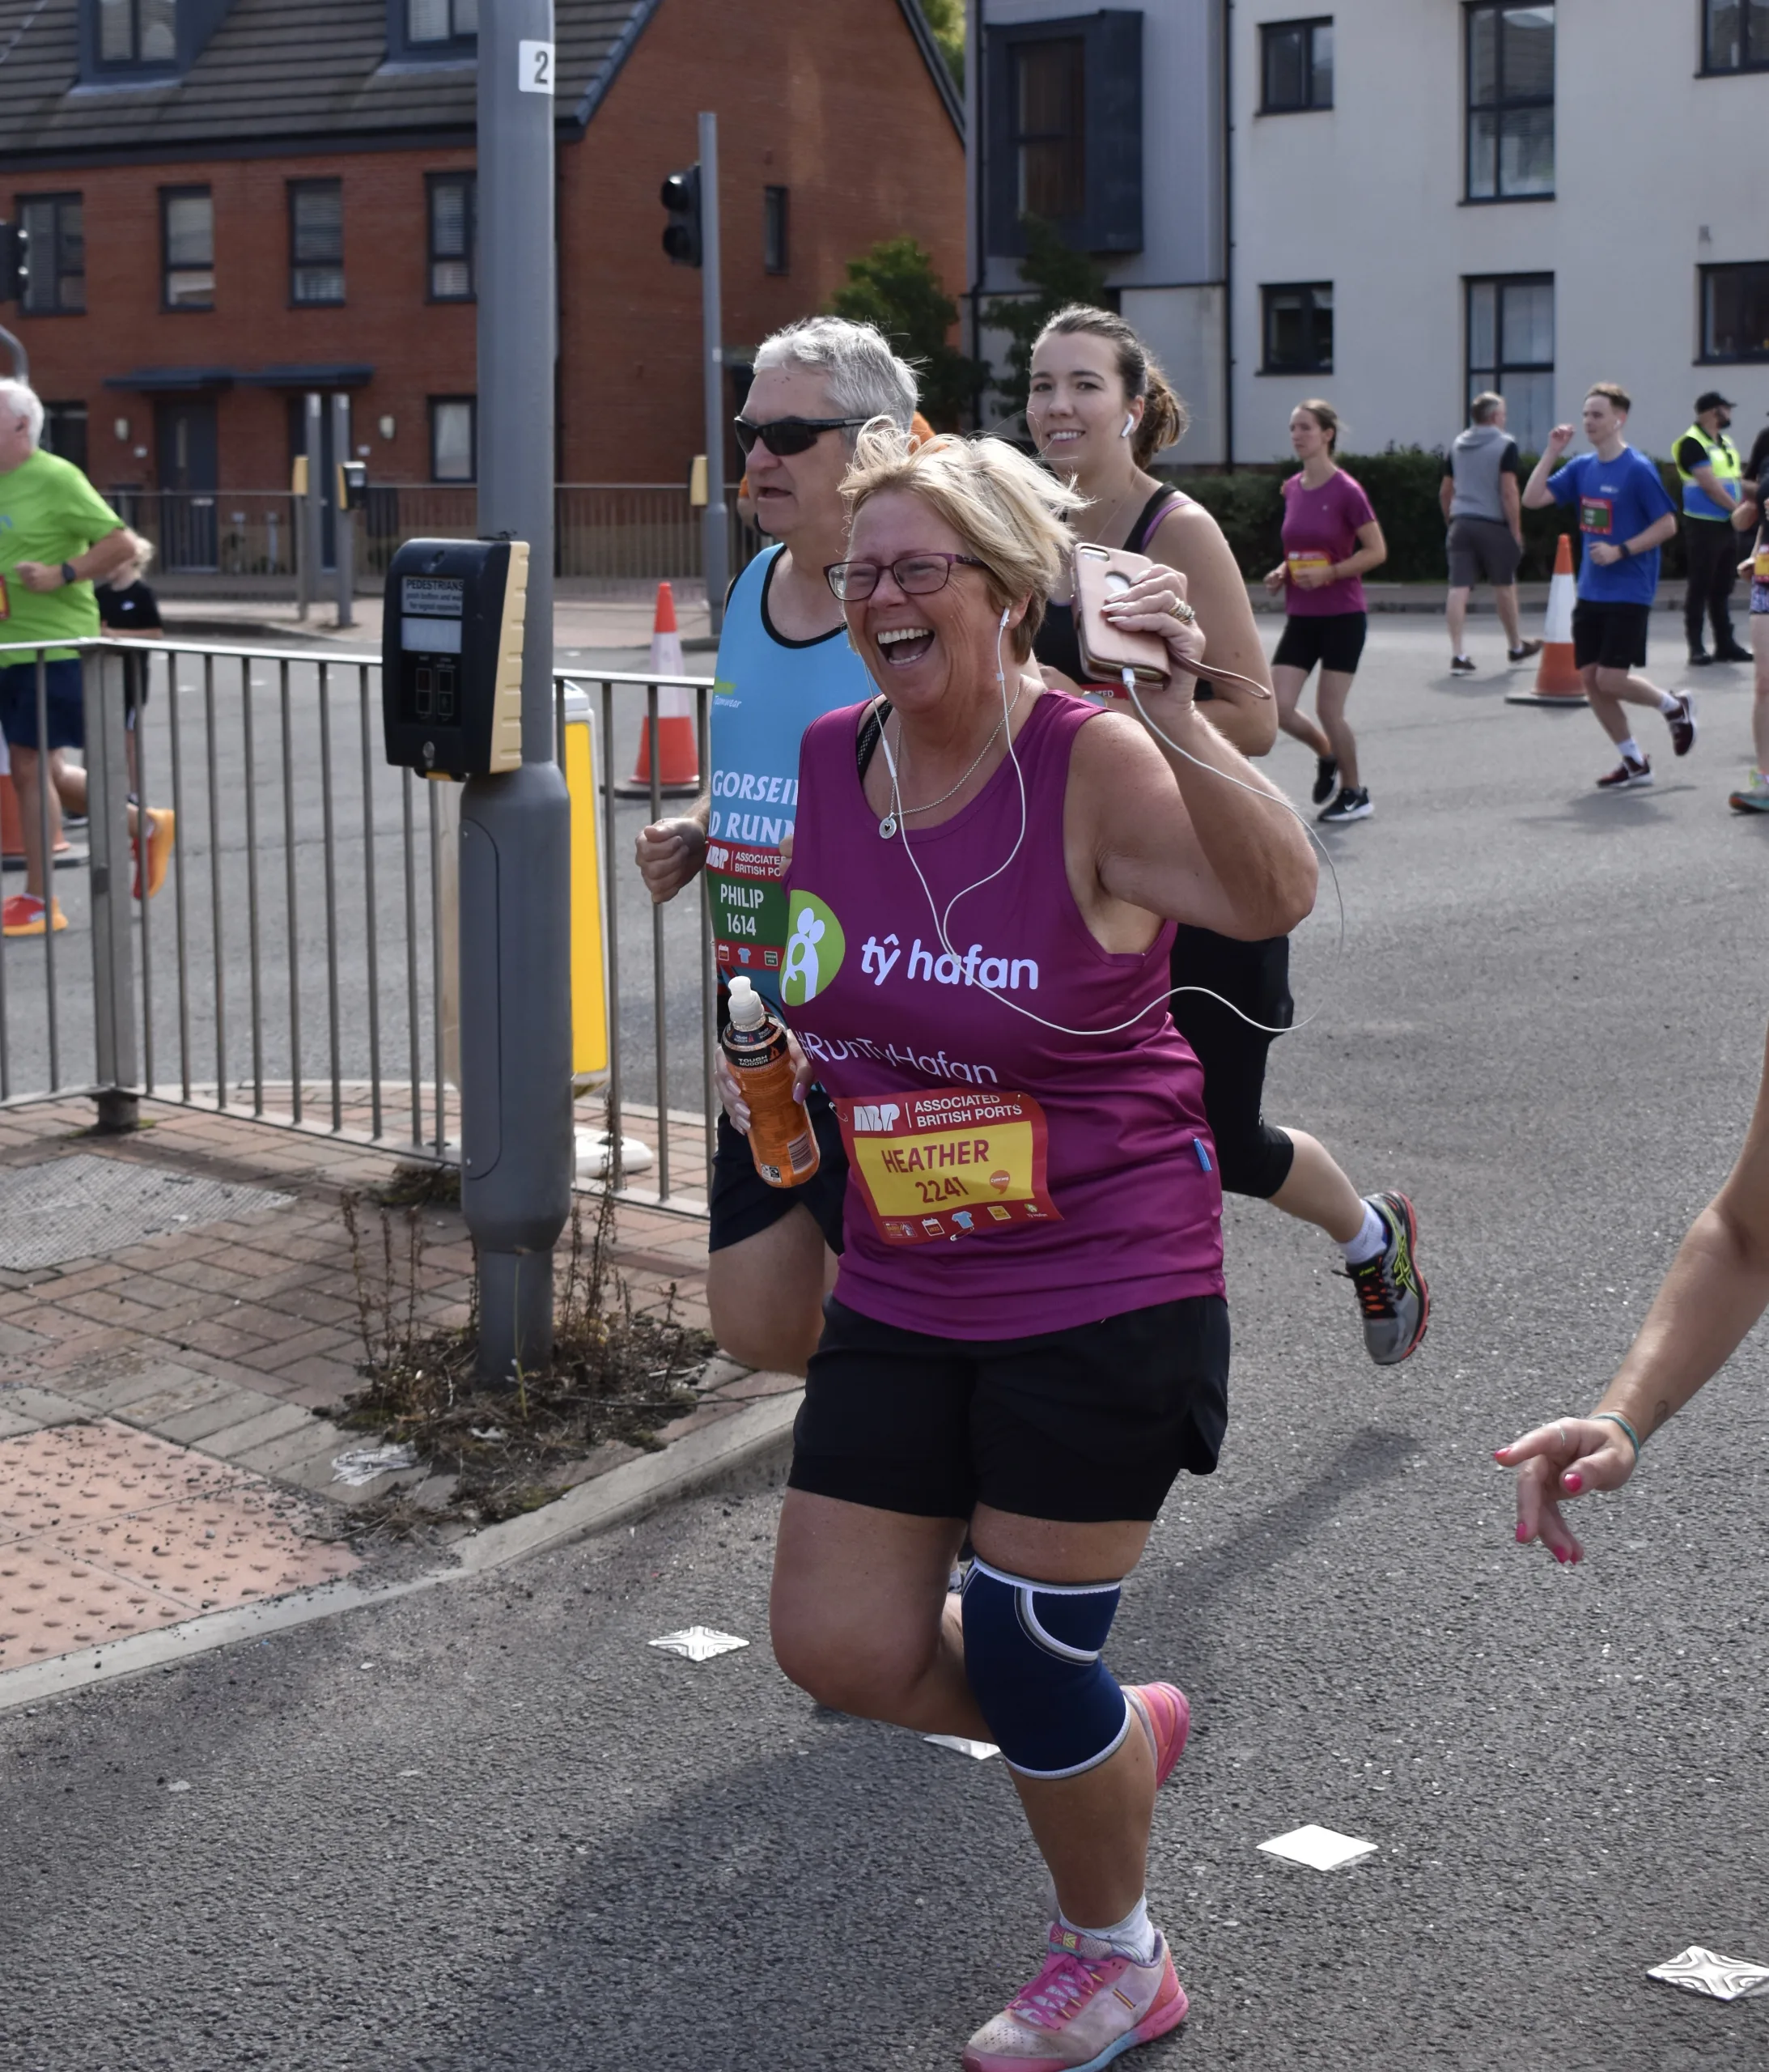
678, 756
1558, 681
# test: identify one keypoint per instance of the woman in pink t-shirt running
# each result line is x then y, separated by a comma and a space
1330, 538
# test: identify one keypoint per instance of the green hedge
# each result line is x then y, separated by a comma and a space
1401, 484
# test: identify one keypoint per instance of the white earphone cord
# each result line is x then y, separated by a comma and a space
941, 919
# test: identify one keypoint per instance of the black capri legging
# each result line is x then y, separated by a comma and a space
1252, 1157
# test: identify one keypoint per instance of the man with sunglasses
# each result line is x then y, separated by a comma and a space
784, 661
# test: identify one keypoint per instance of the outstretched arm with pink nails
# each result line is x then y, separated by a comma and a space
1716, 1289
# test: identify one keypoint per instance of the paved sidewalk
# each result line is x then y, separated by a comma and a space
180, 1311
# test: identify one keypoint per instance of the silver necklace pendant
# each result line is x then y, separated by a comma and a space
887, 827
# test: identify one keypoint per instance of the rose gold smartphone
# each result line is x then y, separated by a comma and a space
1108, 651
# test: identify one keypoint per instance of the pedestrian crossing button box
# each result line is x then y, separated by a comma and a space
452, 656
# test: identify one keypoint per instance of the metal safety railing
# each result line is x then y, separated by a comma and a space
289, 967
604, 533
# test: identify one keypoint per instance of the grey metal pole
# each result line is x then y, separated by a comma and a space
117, 1086
21, 359
343, 521
716, 558
515, 936
313, 504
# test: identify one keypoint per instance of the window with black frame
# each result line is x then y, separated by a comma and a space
1735, 36
188, 247
316, 241
454, 236
441, 21
1298, 328
136, 32
1510, 71
1735, 311
1510, 346
1295, 67
776, 253
54, 226
1049, 133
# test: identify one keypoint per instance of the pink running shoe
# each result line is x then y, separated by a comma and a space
1167, 1716
1086, 2006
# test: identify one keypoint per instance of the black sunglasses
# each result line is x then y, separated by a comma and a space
915, 575
784, 435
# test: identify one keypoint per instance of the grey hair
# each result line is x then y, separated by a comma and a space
21, 397
1485, 407
865, 378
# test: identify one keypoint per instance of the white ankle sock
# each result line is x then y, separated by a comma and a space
1134, 1937
1630, 749
1668, 702
1372, 1239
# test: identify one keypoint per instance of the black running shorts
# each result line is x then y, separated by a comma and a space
1335, 640
742, 1202
1611, 635
1252, 1156
1085, 1425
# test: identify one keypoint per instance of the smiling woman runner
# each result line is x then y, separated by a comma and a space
1101, 411
1027, 1340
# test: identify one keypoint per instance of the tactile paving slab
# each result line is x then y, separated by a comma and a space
78, 1206
106, 1531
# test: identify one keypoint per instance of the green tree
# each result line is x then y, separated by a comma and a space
895, 286
946, 19
1057, 276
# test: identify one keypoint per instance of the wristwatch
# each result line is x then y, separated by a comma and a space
68, 575
1624, 549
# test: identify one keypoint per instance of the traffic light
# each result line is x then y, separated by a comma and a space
14, 263
682, 234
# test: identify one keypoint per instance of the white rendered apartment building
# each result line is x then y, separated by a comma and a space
1396, 203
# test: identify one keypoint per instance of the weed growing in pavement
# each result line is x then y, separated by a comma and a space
616, 1373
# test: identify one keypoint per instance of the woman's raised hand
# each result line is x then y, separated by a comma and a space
1557, 1462
1155, 603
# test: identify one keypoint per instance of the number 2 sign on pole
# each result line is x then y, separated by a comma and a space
535, 66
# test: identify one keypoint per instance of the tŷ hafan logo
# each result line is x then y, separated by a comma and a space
814, 949
1000, 974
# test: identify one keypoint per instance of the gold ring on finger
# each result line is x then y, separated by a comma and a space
1184, 613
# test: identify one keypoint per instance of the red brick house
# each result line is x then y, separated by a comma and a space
232, 202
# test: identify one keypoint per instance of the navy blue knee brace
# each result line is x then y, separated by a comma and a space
1032, 1653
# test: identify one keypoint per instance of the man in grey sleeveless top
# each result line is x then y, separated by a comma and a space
1481, 494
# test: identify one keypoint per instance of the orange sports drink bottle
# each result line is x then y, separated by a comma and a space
781, 1141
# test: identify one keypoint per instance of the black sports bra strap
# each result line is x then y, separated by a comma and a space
870, 734
1149, 518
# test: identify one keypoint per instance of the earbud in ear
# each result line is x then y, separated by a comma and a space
1005, 609
1130, 425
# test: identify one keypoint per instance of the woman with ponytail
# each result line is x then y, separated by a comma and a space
1100, 410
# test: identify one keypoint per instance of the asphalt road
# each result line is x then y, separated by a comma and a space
520, 1837
232, 863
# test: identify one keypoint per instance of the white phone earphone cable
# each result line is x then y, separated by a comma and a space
941, 919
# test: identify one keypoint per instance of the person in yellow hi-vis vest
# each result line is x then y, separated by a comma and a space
1708, 465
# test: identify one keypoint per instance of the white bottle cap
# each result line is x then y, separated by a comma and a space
748, 1010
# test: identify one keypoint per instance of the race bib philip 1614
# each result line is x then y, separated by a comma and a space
748, 911
948, 1164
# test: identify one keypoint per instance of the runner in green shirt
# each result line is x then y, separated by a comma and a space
58, 535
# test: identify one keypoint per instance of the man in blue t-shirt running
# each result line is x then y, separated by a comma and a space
784, 660
1625, 512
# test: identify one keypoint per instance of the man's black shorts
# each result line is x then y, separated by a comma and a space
1611, 635
743, 1203
1335, 640
1086, 1426
1253, 1155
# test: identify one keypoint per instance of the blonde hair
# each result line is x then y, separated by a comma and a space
1009, 511
1326, 417
1165, 418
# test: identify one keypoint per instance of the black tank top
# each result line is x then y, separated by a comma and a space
1056, 643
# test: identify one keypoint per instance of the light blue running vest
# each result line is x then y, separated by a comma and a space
766, 691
